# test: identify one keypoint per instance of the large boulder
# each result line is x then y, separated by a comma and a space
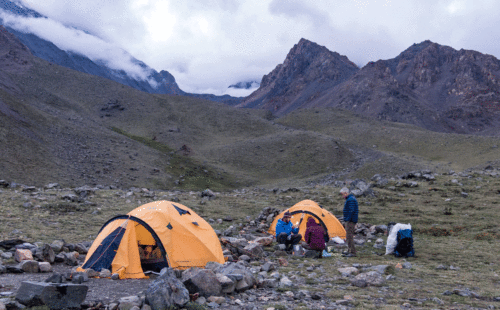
8, 244
57, 246
81, 248
166, 291
53, 295
264, 241
71, 258
254, 249
202, 281
228, 286
240, 274
23, 254
29, 266
44, 253
129, 303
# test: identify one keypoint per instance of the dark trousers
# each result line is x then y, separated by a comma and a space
349, 227
307, 247
283, 239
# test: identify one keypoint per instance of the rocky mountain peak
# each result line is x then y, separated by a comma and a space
430, 85
310, 61
308, 69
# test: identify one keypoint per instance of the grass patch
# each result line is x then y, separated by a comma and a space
190, 173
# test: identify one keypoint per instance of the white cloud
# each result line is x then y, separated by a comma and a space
240, 92
211, 44
77, 41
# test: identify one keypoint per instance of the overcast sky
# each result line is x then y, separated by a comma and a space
209, 44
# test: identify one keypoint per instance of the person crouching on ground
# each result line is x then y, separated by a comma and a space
287, 233
316, 237
350, 219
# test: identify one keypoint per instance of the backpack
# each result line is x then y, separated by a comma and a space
404, 246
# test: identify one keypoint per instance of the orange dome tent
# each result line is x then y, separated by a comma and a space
306, 209
184, 239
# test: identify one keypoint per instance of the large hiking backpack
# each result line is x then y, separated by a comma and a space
404, 246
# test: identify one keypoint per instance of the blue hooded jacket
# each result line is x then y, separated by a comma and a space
351, 209
281, 226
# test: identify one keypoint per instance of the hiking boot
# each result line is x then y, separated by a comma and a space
345, 252
349, 255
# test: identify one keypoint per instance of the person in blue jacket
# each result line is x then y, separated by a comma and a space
286, 232
350, 219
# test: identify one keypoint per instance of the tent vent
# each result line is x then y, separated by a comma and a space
169, 226
181, 211
196, 223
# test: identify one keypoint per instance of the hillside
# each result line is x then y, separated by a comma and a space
395, 148
60, 125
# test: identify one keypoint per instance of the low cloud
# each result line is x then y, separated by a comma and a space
77, 41
211, 44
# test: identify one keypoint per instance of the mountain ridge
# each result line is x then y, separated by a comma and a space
429, 85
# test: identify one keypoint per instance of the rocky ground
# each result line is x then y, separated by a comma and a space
277, 279
258, 275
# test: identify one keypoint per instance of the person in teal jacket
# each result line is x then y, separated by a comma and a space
287, 233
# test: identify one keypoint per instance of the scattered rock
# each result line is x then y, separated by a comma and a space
167, 291
348, 271
29, 266
370, 278
45, 267
202, 281
55, 296
22, 255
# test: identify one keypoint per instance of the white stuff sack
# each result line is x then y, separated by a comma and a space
338, 240
393, 236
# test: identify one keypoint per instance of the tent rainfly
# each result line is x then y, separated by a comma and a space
184, 239
306, 209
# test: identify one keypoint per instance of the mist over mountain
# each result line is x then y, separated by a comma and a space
245, 85
135, 73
